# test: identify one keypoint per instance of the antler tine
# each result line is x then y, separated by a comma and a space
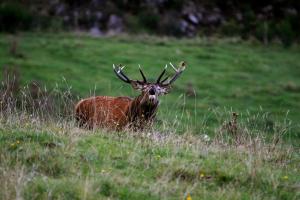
161, 75
173, 67
144, 78
177, 74
164, 79
120, 74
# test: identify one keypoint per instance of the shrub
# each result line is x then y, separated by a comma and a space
48, 23
132, 23
248, 22
285, 32
231, 28
13, 17
169, 25
265, 31
149, 20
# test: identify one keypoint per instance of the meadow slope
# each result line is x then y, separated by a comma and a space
223, 74
59, 161
192, 150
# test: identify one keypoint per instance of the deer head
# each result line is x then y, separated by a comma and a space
145, 105
150, 91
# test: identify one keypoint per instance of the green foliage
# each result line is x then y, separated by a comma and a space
60, 189
174, 4
269, 30
169, 25
231, 28
265, 31
14, 16
47, 23
106, 189
149, 19
285, 32
248, 22
132, 23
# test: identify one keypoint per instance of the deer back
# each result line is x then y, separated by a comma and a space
103, 111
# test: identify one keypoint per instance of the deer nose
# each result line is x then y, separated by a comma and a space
152, 91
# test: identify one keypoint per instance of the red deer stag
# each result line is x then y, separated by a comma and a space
123, 112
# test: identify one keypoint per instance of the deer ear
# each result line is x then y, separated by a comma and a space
164, 89
137, 85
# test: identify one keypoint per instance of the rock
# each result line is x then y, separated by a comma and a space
291, 11
66, 19
187, 28
97, 2
216, 10
183, 25
213, 19
98, 15
188, 8
193, 18
88, 14
267, 8
95, 31
60, 9
200, 16
239, 16
114, 25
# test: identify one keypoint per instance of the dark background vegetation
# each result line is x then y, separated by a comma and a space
270, 20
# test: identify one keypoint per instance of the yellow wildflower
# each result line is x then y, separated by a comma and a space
188, 197
18, 142
201, 175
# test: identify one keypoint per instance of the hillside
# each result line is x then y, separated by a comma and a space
192, 151
222, 75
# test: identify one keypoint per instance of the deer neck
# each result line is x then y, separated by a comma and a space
140, 110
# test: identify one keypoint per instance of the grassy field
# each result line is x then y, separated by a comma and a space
191, 150
225, 75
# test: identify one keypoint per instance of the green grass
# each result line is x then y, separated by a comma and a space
63, 162
238, 76
52, 159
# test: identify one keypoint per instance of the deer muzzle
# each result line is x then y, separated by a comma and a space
152, 98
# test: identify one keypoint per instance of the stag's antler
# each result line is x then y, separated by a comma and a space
119, 72
161, 75
178, 72
176, 75
144, 78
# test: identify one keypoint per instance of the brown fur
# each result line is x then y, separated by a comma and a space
114, 113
